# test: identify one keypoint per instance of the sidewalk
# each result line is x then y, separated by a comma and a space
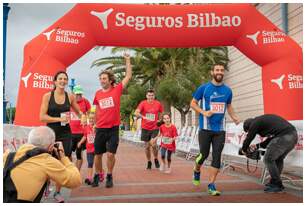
133, 183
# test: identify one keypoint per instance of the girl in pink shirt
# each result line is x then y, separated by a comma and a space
168, 135
89, 138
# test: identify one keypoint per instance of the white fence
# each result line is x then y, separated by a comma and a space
187, 142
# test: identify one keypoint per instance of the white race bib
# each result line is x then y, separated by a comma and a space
74, 116
91, 138
150, 117
217, 107
106, 103
167, 140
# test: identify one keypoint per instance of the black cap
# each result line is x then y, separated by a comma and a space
247, 123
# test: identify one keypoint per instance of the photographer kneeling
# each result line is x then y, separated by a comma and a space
281, 139
37, 165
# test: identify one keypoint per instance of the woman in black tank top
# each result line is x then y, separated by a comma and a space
55, 108
55, 111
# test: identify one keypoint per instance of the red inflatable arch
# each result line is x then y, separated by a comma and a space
136, 25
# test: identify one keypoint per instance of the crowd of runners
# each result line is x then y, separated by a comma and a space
80, 126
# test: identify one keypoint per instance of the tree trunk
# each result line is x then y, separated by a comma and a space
183, 118
166, 105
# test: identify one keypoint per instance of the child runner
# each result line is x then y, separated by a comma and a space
168, 135
89, 137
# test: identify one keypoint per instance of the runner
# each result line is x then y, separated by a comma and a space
75, 124
215, 99
55, 111
149, 110
88, 138
168, 135
107, 101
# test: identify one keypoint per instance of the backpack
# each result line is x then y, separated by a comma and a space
9, 189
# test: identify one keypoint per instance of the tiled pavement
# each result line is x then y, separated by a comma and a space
133, 183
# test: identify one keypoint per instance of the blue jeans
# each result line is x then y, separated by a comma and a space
277, 150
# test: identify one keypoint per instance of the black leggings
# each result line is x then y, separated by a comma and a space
78, 151
163, 154
217, 140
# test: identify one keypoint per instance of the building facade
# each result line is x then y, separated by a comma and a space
244, 76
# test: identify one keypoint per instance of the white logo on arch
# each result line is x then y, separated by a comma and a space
48, 34
253, 37
25, 79
279, 81
103, 16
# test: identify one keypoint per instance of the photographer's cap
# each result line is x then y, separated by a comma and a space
77, 89
93, 109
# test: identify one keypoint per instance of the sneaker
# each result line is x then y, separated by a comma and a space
101, 177
109, 181
168, 171
95, 182
156, 163
212, 190
269, 184
58, 197
273, 189
162, 168
48, 190
88, 181
196, 178
149, 165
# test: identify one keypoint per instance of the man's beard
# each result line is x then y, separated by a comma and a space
105, 86
218, 79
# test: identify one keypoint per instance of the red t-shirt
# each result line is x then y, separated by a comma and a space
75, 122
168, 132
89, 133
150, 111
108, 107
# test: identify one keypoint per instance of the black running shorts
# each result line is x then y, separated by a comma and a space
106, 140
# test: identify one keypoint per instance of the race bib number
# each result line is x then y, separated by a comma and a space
167, 140
106, 103
217, 107
91, 138
74, 116
150, 117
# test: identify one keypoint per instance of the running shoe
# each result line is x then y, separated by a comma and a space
109, 181
156, 163
212, 190
101, 176
58, 197
162, 168
273, 189
95, 182
149, 165
269, 184
196, 178
88, 181
168, 170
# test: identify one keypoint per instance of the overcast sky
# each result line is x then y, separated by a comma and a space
25, 21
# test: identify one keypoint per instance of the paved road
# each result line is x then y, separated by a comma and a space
133, 183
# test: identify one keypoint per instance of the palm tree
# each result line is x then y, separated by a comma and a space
167, 70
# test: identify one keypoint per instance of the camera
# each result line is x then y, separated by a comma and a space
55, 151
254, 155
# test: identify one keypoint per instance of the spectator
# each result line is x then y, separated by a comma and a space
30, 176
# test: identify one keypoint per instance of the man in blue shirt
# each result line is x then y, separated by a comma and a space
215, 98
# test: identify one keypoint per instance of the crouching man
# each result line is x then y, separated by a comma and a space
27, 170
281, 139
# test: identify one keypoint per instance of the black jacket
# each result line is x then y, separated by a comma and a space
267, 125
